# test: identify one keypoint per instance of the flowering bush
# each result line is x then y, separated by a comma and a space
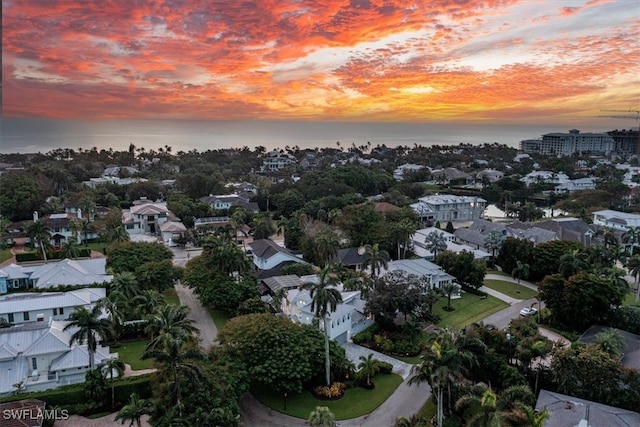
334, 391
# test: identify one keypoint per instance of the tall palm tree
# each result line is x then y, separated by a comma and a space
114, 305
70, 249
324, 300
117, 234
134, 410
375, 258
449, 289
326, 247
40, 236
109, 367
494, 242
148, 301
126, 284
176, 357
572, 263
401, 233
263, 226
91, 328
236, 221
86, 227
448, 355
321, 417
169, 320
631, 237
435, 242
75, 228
633, 265
520, 271
368, 366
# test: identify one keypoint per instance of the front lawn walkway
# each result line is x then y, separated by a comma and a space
356, 401
468, 309
509, 289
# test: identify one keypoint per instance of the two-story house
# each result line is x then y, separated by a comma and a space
269, 256
420, 246
146, 217
228, 201
447, 207
435, 274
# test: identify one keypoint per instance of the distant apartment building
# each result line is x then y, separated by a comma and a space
567, 144
447, 207
625, 142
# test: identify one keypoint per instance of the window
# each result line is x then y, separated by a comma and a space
11, 318
26, 315
55, 311
61, 311
34, 363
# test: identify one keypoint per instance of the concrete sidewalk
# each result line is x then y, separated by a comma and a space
354, 351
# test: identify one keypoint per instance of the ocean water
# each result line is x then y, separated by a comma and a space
29, 135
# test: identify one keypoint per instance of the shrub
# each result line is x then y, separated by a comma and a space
384, 367
407, 347
28, 257
334, 391
366, 335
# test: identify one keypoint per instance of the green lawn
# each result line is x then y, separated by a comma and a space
498, 272
5, 254
630, 298
468, 309
428, 410
219, 318
96, 246
170, 296
130, 352
355, 402
509, 288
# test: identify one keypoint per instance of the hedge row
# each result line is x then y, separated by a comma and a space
71, 395
37, 256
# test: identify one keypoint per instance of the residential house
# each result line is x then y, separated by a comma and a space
353, 257
59, 225
568, 411
449, 175
269, 257
146, 217
398, 173
273, 285
545, 177
532, 233
172, 231
571, 229
575, 185
276, 161
347, 320
420, 247
113, 170
447, 207
39, 355
490, 175
96, 182
40, 307
436, 276
228, 201
630, 357
615, 219
475, 236
53, 274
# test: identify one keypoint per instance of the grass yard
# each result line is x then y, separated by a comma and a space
498, 272
219, 317
509, 288
96, 246
5, 254
130, 352
170, 296
355, 402
468, 309
630, 298
428, 410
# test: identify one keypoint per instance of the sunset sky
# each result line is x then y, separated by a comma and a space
505, 61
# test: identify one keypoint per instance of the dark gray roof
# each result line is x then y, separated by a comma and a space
265, 248
485, 227
350, 256
568, 411
631, 356
275, 283
466, 235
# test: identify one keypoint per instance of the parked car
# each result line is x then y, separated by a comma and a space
528, 311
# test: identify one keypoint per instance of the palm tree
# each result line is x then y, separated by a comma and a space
610, 341
263, 226
368, 366
126, 284
520, 271
483, 407
401, 233
631, 237
70, 249
40, 235
494, 242
326, 247
236, 221
176, 356
376, 259
448, 355
114, 306
147, 302
530, 417
75, 228
324, 300
449, 289
435, 242
633, 265
86, 227
90, 328
109, 366
134, 410
19, 387
117, 234
169, 320
572, 263
321, 417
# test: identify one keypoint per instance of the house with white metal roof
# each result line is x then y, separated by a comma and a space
615, 219
41, 357
40, 307
420, 247
422, 268
447, 207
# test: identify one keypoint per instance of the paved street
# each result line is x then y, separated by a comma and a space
200, 316
354, 351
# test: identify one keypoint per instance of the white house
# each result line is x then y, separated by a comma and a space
276, 161
40, 307
268, 255
227, 201
146, 217
65, 272
348, 319
576, 185
41, 357
172, 230
615, 219
420, 247
398, 173
491, 175
447, 207
60, 227
545, 177
435, 274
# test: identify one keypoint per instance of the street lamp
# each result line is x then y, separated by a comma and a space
509, 338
